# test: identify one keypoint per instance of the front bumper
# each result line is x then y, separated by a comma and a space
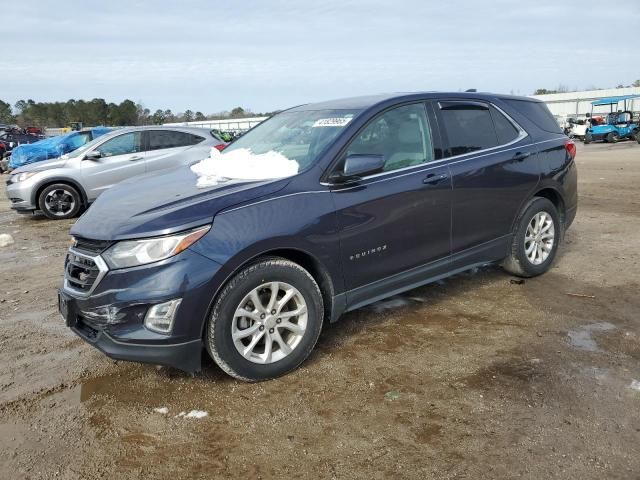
111, 316
20, 195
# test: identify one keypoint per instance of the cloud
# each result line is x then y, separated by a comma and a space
265, 55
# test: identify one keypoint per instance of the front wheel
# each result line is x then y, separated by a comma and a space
613, 137
588, 138
536, 239
638, 137
266, 320
60, 201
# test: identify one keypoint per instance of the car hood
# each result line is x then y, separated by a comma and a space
44, 165
164, 202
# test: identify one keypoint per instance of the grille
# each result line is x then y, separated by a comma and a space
91, 247
80, 272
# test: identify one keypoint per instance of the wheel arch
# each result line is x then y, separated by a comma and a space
301, 257
51, 181
555, 197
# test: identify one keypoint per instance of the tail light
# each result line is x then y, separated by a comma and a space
221, 146
570, 147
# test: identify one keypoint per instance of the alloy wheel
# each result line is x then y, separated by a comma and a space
59, 202
269, 322
539, 238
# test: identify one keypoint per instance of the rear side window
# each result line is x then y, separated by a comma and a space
538, 113
469, 127
505, 130
160, 139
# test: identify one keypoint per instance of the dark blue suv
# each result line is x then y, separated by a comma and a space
372, 196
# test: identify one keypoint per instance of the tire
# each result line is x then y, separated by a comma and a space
60, 201
638, 137
518, 262
237, 296
588, 138
613, 137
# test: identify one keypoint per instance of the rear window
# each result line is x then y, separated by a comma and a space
160, 139
538, 113
469, 127
505, 130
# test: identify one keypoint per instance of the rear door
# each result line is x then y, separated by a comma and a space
493, 168
400, 218
168, 149
121, 158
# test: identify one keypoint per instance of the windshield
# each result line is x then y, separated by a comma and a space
299, 136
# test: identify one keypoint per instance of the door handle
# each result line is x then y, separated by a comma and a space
520, 156
434, 178
133, 159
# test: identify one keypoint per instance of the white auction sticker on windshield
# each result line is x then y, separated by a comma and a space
332, 122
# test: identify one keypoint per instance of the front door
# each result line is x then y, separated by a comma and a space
121, 158
399, 218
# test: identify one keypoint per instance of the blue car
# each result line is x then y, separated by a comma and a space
53, 147
320, 210
619, 124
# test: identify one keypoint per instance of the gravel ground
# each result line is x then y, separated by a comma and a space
473, 377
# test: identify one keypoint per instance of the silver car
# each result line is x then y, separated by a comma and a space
62, 187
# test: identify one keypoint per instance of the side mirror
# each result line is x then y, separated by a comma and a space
93, 155
356, 165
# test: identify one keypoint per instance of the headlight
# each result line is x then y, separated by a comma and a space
21, 177
130, 253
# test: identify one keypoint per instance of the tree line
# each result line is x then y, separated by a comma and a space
98, 112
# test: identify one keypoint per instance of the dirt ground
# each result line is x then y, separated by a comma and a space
474, 377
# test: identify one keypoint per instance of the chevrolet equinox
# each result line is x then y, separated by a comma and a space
321, 209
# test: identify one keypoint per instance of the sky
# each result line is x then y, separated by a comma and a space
211, 56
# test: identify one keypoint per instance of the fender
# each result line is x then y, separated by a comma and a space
233, 265
51, 180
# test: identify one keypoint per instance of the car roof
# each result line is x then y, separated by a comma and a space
364, 102
194, 130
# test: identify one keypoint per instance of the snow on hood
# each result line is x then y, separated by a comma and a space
242, 164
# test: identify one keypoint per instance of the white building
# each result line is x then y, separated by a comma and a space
577, 104
227, 125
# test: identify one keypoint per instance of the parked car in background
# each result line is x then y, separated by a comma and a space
14, 138
9, 140
62, 187
319, 210
34, 131
53, 147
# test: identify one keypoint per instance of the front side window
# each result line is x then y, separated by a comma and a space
401, 135
469, 127
161, 139
121, 145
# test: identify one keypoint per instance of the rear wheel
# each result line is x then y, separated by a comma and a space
266, 320
59, 201
613, 137
638, 137
535, 242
